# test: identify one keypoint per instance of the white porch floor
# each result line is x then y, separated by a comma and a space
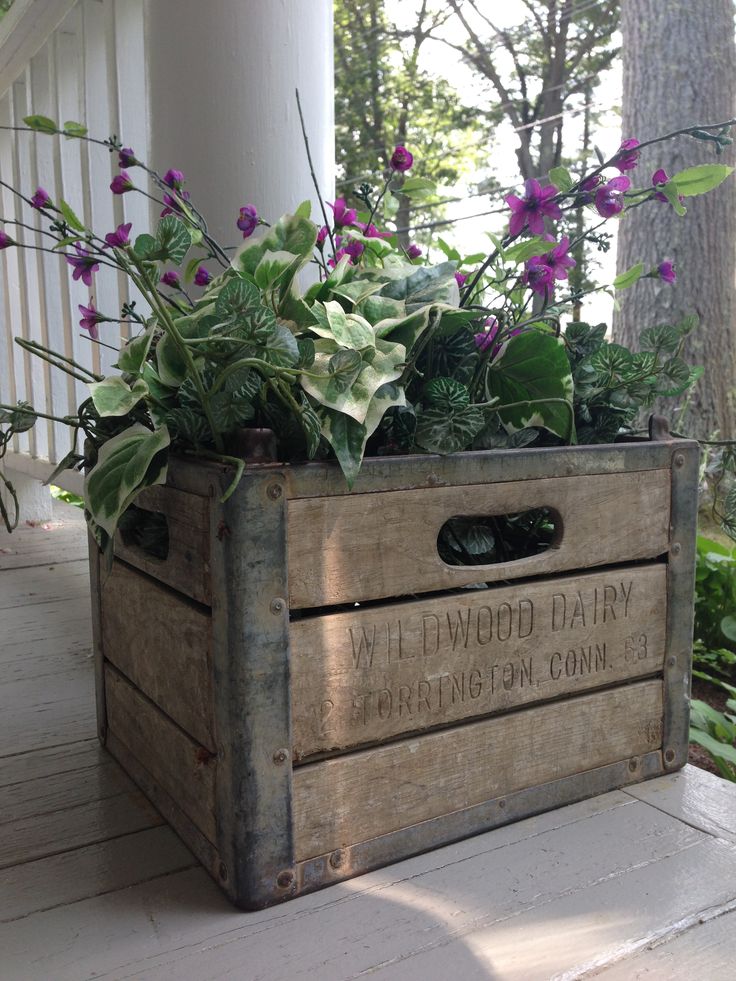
93, 884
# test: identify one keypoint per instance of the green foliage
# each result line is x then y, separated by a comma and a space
715, 606
716, 732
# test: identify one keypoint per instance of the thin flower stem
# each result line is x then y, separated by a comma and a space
67, 420
312, 170
58, 360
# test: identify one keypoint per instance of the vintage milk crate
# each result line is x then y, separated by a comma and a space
305, 692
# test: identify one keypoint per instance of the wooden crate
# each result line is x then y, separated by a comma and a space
305, 691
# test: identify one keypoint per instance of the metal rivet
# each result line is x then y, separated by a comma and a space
280, 756
336, 859
274, 491
222, 871
633, 764
676, 548
679, 460
284, 879
669, 756
672, 660
502, 803
277, 606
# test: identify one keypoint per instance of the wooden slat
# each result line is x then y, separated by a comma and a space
376, 791
184, 769
171, 660
370, 546
374, 673
187, 565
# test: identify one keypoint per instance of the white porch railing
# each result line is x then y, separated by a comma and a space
204, 87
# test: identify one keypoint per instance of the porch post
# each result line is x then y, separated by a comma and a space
222, 77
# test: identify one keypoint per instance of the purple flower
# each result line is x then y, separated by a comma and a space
83, 264
531, 209
121, 183
354, 249
628, 156
460, 279
119, 238
170, 278
558, 259
659, 178
486, 337
202, 276
666, 271
126, 158
370, 231
5, 241
401, 159
41, 198
538, 276
609, 198
343, 215
322, 235
591, 183
90, 319
413, 252
248, 221
173, 178
172, 203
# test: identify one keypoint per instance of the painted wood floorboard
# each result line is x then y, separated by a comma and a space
94, 885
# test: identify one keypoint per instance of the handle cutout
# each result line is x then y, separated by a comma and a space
145, 530
467, 540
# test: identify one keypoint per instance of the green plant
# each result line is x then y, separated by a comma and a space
716, 731
714, 647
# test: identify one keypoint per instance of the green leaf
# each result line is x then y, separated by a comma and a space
428, 284
112, 397
440, 430
230, 412
532, 367
662, 338
69, 217
312, 428
378, 308
628, 278
560, 177
291, 233
447, 394
21, 417
127, 463
728, 627
74, 129
186, 423
416, 187
525, 250
700, 179
172, 366
41, 124
721, 751
172, 240
239, 306
675, 378
357, 290
276, 270
326, 388
144, 246
304, 210
670, 191
281, 348
347, 329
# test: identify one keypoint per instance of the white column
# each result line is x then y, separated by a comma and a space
222, 77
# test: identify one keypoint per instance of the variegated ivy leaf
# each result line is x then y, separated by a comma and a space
356, 291
343, 271
241, 313
127, 463
112, 397
325, 387
276, 270
348, 438
425, 285
346, 329
134, 353
377, 308
447, 394
531, 370
291, 233
280, 348
442, 430
172, 240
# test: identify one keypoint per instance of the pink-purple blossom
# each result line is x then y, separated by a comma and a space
41, 199
558, 259
532, 209
127, 158
90, 319
173, 205
120, 237
666, 271
609, 198
121, 183
83, 264
322, 235
343, 215
174, 179
659, 179
170, 278
202, 276
628, 156
413, 252
487, 338
460, 279
371, 231
5, 241
354, 249
401, 159
248, 220
538, 276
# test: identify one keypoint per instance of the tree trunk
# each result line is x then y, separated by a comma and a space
680, 69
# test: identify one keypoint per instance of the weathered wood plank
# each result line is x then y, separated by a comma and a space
376, 791
43, 584
47, 711
377, 672
84, 872
171, 660
371, 546
696, 797
82, 755
185, 769
187, 565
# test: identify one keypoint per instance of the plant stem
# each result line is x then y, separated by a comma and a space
312, 170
